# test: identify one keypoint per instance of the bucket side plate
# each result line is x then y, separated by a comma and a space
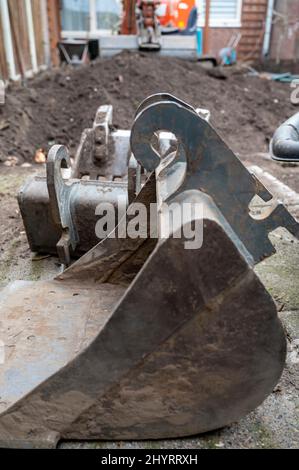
42, 337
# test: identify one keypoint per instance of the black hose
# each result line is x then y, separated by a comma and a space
285, 143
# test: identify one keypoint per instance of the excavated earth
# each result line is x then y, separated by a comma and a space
57, 105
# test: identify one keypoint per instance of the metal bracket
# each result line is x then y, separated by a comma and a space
102, 152
204, 162
60, 201
59, 214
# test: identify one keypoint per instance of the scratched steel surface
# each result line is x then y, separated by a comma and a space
44, 326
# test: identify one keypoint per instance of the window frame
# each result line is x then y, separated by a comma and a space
230, 23
93, 32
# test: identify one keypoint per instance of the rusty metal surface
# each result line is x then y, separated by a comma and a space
59, 212
60, 215
102, 152
206, 375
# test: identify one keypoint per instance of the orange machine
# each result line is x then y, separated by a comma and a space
172, 13
175, 13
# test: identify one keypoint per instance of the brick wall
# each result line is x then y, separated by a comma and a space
219, 38
253, 19
254, 14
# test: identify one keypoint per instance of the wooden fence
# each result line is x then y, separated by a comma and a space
24, 38
253, 28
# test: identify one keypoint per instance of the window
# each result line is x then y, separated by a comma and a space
108, 14
75, 15
87, 18
223, 13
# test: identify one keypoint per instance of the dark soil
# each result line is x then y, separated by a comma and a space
57, 105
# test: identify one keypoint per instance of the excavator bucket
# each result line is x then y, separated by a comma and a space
155, 336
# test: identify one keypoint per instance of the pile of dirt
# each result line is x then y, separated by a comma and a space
57, 105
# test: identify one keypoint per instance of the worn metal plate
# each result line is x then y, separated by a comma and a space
40, 337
